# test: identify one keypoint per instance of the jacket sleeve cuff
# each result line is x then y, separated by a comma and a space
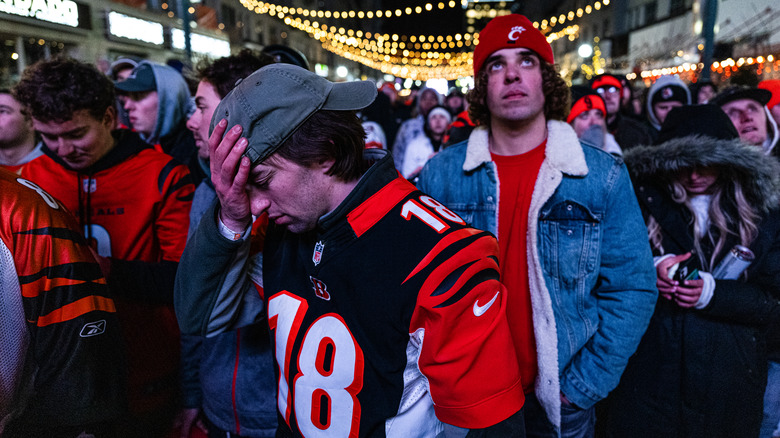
708, 290
659, 259
577, 393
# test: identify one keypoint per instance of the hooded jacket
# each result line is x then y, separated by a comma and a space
702, 372
236, 390
662, 82
175, 105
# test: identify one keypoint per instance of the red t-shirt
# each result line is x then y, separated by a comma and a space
517, 175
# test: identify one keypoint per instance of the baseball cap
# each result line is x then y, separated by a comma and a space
141, 79
736, 92
773, 86
274, 101
510, 31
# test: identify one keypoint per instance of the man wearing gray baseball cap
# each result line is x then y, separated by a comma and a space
355, 268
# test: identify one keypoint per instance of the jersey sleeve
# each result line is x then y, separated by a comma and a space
467, 352
75, 348
177, 190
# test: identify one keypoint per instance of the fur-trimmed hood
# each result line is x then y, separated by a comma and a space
758, 174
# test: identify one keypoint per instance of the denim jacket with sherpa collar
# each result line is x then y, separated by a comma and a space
590, 269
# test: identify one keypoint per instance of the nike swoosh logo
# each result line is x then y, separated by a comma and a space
480, 310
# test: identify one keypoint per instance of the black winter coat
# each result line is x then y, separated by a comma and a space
702, 373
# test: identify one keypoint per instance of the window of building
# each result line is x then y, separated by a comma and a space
650, 12
676, 7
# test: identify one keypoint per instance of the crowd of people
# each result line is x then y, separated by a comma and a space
251, 250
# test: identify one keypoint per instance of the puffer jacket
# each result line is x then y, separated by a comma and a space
702, 372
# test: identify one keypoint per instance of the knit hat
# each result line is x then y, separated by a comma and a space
440, 110
667, 88
706, 120
671, 93
510, 31
584, 99
773, 86
606, 80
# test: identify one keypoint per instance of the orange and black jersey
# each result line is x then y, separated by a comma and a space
387, 319
61, 358
133, 206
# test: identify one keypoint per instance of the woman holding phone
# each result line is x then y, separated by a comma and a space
700, 370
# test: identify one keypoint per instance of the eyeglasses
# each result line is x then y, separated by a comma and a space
607, 90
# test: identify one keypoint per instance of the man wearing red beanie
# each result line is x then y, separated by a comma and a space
573, 247
627, 131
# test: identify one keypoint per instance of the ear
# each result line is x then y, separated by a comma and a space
325, 165
109, 117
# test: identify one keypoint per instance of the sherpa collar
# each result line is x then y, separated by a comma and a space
563, 151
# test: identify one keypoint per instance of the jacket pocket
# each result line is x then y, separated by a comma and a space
569, 241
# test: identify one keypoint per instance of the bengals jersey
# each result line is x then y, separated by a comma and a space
61, 361
387, 319
133, 206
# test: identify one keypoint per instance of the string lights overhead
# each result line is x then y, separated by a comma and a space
408, 56
379, 13
560, 19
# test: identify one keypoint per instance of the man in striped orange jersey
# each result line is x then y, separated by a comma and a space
61, 372
132, 203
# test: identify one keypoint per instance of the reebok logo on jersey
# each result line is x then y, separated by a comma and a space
480, 310
320, 289
93, 328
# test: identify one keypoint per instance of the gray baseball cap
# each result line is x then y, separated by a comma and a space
274, 101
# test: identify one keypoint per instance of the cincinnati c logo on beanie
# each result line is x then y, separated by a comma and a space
588, 103
514, 34
512, 31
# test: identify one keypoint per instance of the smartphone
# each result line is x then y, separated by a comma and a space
687, 270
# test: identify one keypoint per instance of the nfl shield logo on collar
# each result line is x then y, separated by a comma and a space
317, 257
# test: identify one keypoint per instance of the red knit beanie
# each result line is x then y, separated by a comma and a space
510, 31
587, 103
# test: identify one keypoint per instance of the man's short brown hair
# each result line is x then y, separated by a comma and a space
223, 73
52, 90
556, 95
336, 135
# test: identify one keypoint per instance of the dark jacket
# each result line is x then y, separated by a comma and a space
630, 132
230, 376
702, 373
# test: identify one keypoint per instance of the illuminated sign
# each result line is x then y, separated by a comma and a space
56, 11
134, 28
202, 44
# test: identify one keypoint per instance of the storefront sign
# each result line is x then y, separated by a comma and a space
125, 26
55, 11
202, 44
